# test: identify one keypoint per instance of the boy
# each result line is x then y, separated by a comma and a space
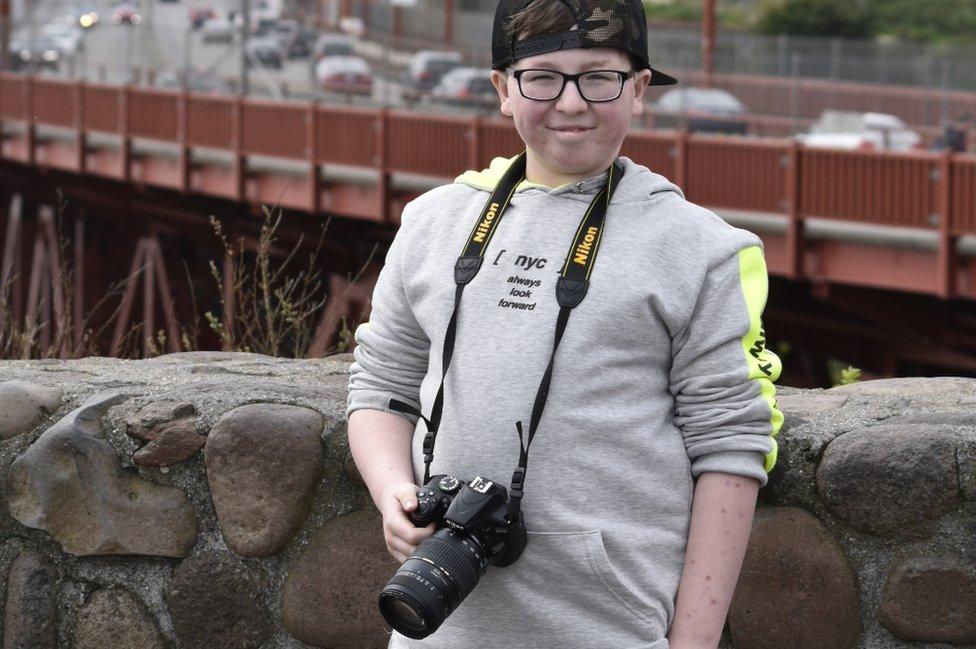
657, 430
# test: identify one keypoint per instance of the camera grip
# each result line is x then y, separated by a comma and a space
429, 508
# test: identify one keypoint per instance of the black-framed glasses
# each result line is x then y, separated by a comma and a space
593, 85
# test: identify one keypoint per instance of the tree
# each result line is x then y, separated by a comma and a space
925, 21
848, 18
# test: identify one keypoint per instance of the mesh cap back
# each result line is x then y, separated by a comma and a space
618, 24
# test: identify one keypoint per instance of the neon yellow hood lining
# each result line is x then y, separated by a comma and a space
486, 179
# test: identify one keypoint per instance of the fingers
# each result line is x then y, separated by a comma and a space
406, 495
400, 526
402, 547
402, 536
400, 550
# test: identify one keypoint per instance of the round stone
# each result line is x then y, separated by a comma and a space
931, 599
22, 405
263, 464
215, 601
891, 479
796, 589
330, 596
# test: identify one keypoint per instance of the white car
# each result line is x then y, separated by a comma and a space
852, 130
709, 110
217, 30
344, 74
466, 87
425, 70
332, 45
67, 38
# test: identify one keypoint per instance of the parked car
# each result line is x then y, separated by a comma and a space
466, 87
217, 30
838, 129
126, 14
329, 45
332, 45
954, 135
67, 38
285, 31
262, 26
267, 51
709, 110
349, 74
32, 53
303, 43
200, 15
266, 10
424, 71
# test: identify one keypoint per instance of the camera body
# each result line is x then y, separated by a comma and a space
477, 525
478, 508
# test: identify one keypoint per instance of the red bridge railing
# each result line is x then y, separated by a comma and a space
932, 192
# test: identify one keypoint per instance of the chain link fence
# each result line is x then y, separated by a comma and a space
679, 47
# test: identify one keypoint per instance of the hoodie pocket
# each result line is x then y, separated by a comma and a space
571, 573
605, 572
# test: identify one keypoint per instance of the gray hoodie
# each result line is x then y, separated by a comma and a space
662, 374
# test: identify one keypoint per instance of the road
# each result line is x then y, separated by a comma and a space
158, 50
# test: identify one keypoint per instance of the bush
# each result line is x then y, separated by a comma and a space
846, 18
278, 299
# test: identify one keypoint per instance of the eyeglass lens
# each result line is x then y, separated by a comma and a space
545, 85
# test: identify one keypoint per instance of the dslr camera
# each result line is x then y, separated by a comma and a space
476, 528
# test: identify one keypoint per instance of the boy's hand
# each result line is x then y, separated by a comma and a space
400, 534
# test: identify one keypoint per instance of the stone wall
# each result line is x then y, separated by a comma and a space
208, 500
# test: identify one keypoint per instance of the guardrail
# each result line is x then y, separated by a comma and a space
934, 192
806, 98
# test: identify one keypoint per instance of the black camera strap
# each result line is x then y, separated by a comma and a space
571, 288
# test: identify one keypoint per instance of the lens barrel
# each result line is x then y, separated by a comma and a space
433, 582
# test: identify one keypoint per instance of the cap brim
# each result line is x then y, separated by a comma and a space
658, 78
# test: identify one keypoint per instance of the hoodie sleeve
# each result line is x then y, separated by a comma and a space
392, 349
722, 374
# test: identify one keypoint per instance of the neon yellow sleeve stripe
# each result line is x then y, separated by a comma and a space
764, 365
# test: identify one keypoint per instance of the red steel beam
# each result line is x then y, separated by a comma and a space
708, 41
947, 239
78, 301
449, 22
794, 232
4, 34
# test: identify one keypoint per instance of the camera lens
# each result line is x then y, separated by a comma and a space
407, 615
433, 582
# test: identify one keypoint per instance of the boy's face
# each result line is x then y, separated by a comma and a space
569, 138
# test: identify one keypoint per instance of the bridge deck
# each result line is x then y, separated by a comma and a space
899, 221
